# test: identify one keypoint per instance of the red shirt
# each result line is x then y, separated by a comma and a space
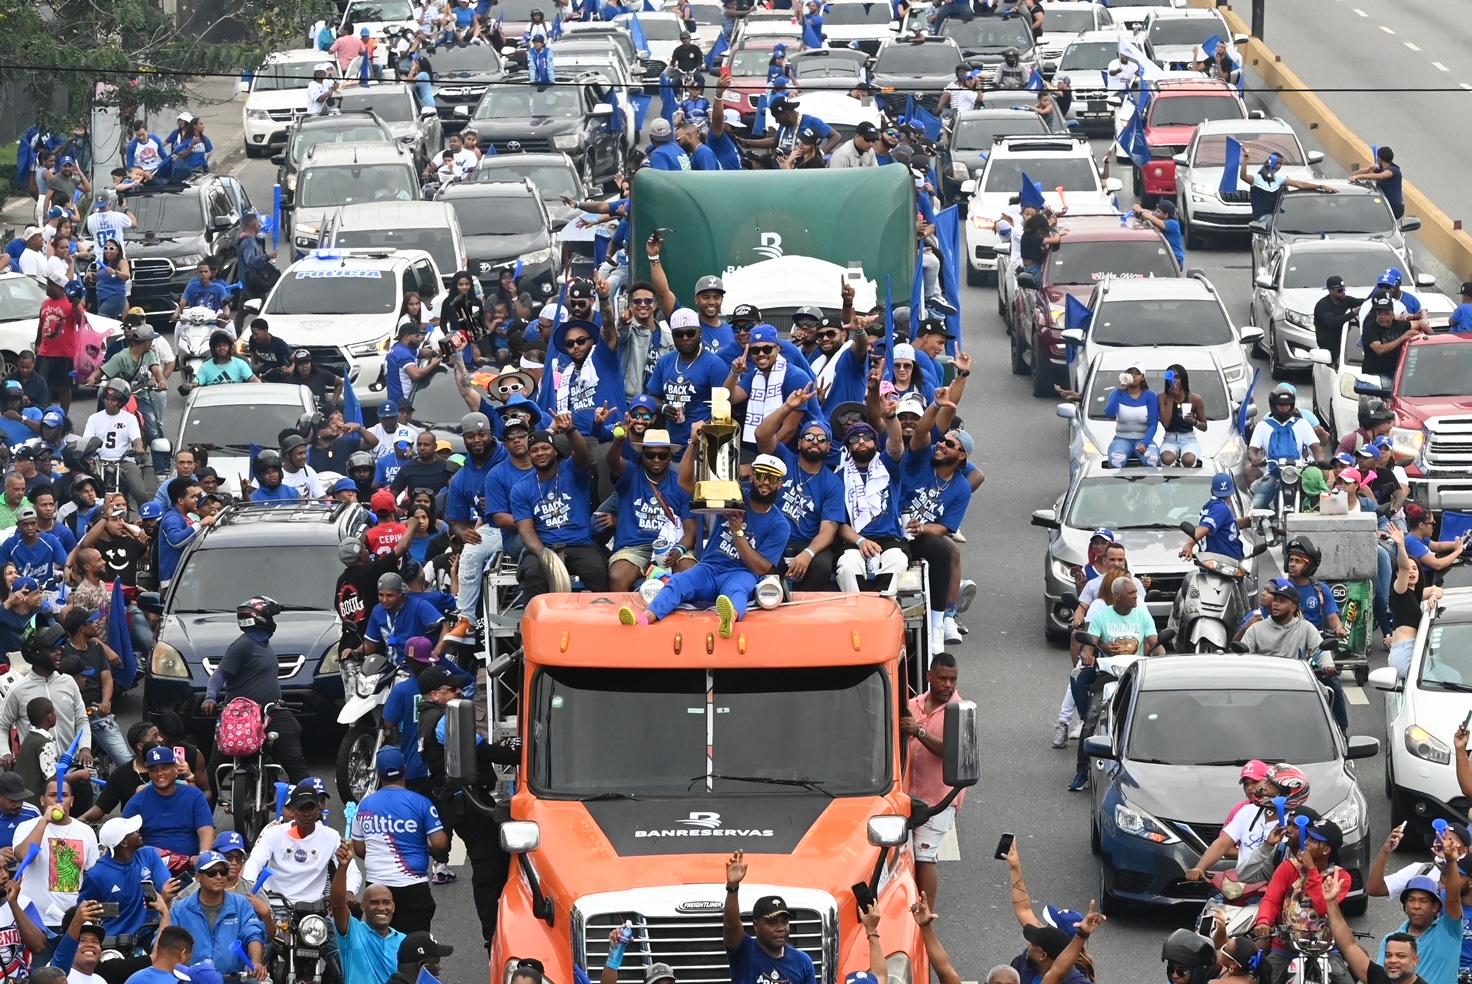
59, 322
1285, 879
382, 538
927, 770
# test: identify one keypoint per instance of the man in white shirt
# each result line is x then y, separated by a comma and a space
858, 152
106, 223
32, 261
394, 425
1121, 73
319, 90
67, 848
119, 433
298, 853
465, 159
296, 472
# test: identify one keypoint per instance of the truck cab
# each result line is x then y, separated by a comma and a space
651, 754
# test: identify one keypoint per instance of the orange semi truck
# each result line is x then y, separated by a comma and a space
651, 753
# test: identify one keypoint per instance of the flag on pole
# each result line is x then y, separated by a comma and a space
759, 120
1231, 166
1244, 412
1133, 140
1031, 193
352, 410
556, 31
1035, 82
636, 31
1076, 314
120, 638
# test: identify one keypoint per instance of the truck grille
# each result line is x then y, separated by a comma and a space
691, 942
1449, 446
1236, 197
286, 665
285, 115
152, 271
528, 146
1198, 836
328, 357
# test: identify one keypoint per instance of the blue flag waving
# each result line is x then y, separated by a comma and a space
1133, 141
1031, 193
352, 410
1244, 412
1231, 166
948, 234
925, 119
717, 52
1210, 45
1076, 314
759, 117
556, 31
1035, 82
119, 638
636, 31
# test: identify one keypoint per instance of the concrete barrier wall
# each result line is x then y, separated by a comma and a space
1438, 232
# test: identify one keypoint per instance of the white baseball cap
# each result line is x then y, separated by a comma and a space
684, 318
769, 463
113, 832
912, 404
904, 350
549, 312
186, 117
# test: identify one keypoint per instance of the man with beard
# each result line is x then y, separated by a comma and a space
652, 507
553, 509
335, 441
682, 379
874, 539
744, 546
583, 374
296, 473
842, 364
762, 388
465, 508
811, 496
710, 294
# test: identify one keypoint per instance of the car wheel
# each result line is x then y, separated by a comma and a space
251, 151
1042, 374
1258, 348
1276, 369
1194, 239
1019, 360
974, 277
1109, 903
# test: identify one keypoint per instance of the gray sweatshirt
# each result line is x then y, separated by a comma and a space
71, 713
1298, 639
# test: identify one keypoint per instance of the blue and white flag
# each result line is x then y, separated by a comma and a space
1231, 166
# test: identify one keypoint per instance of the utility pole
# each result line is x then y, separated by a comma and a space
1258, 16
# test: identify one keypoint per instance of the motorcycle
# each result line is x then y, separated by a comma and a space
192, 342
251, 778
1212, 600
366, 682
1285, 500
1235, 900
300, 932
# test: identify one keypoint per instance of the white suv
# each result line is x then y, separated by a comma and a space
1177, 36
1067, 20
342, 305
276, 96
347, 174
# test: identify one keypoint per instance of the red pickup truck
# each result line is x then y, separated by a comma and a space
1176, 109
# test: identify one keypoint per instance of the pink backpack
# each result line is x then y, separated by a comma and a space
242, 729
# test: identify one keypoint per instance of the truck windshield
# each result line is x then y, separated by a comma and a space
675, 733
1436, 370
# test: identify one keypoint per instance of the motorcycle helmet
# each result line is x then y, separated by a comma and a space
360, 459
291, 442
118, 386
1188, 949
258, 613
1012, 56
1303, 546
267, 459
75, 290
1374, 413
1291, 781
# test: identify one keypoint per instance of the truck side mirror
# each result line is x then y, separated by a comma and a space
961, 761
460, 737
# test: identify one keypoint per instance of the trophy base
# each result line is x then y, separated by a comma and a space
717, 506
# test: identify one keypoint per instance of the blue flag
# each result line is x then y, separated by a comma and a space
636, 31
352, 410
952, 253
926, 120
1076, 314
642, 102
1210, 45
275, 216
1031, 193
556, 31
1035, 81
889, 325
667, 98
120, 639
759, 119
425, 977
1244, 412
717, 51
917, 290
1231, 167
1133, 140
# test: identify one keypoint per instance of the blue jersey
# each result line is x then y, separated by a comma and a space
391, 630
559, 507
766, 531
683, 382
1222, 535
1317, 603
400, 358
721, 340
394, 825
466, 500
929, 499
40, 560
402, 711
643, 515
806, 500
669, 157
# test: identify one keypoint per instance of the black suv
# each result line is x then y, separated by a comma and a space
352, 126
176, 226
921, 67
288, 551
503, 222
569, 115
554, 175
462, 72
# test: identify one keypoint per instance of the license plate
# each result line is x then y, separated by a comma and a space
302, 953
1098, 106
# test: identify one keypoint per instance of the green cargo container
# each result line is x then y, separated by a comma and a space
724, 220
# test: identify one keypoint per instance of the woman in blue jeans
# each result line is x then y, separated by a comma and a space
1135, 410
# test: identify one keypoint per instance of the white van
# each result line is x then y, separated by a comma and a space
430, 226
276, 97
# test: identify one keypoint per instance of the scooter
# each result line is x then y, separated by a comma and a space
1212, 600
192, 342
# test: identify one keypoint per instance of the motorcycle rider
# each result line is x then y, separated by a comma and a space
1009, 73
120, 435
1218, 527
1287, 633
249, 669
1295, 899
1283, 434
1254, 822
1375, 419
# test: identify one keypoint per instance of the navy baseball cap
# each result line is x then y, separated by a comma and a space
208, 859
387, 409
1284, 588
160, 755
310, 788
1222, 486
764, 335
390, 763
643, 402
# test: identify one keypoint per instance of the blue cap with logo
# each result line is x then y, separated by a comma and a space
1102, 533
228, 840
643, 402
386, 409
1222, 486
150, 510
390, 763
1390, 278
1065, 919
208, 859
53, 417
763, 335
160, 755
309, 788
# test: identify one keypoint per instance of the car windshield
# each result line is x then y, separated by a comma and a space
1436, 370
1074, 20
1073, 173
990, 32
1086, 263
552, 180
519, 102
1447, 664
1088, 56
210, 580
661, 28
375, 11
1164, 322
434, 240
979, 134
1204, 383
1195, 110
1312, 214
750, 61
918, 59
1137, 501
1184, 30
847, 14
20, 298
1211, 149
347, 184
828, 68
437, 400
391, 105
236, 426
289, 75
304, 140
1229, 727
335, 291
164, 215
780, 730
464, 59
1357, 267
499, 215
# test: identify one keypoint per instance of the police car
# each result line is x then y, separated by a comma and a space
342, 305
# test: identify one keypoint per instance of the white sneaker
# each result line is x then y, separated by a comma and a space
937, 639
967, 596
1077, 728
952, 631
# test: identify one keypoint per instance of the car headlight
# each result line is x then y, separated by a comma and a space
313, 930
329, 659
1424, 745
167, 662
306, 236
189, 260
1062, 571
1348, 815
567, 141
1199, 198
540, 256
1140, 824
1236, 373
365, 349
257, 114
1229, 456
1298, 318
1406, 442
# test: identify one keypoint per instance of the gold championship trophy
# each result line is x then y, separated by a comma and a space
717, 458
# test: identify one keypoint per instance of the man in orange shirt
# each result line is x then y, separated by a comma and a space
925, 726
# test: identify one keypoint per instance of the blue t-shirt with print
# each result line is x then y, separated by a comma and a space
681, 381
750, 964
1222, 535
559, 507
641, 514
404, 820
212, 295
886, 521
929, 499
39, 560
766, 531
402, 711
808, 500
415, 617
1317, 603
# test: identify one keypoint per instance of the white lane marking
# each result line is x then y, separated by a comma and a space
1386, 29
1355, 695
1412, 46
1440, 67
1359, 11
950, 848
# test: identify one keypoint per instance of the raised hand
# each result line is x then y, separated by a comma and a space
736, 868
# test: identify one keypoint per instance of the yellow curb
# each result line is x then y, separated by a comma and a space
1438, 233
